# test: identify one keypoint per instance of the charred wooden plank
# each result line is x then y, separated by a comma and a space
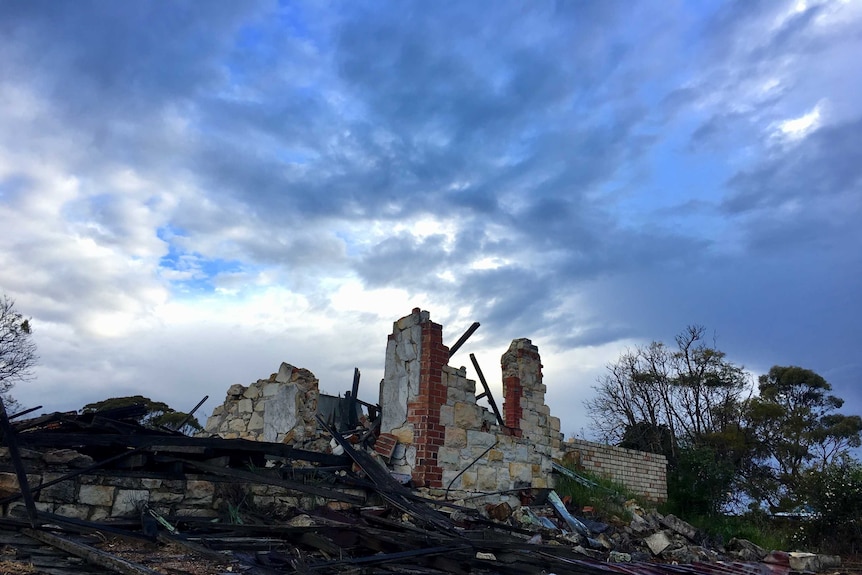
164, 441
90, 554
277, 481
391, 491
11, 438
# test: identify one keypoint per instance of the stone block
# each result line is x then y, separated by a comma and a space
68, 457
63, 492
238, 425
486, 479
198, 492
449, 457
469, 479
403, 434
99, 513
454, 395
285, 372
235, 391
256, 422
480, 438
455, 437
128, 502
467, 415
406, 351
519, 471
495, 455
165, 497
447, 415
102, 495
73, 511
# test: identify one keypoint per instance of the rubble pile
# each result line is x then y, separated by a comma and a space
263, 508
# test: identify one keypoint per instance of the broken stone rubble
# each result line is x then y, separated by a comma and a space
650, 536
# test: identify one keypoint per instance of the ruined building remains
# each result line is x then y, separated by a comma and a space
431, 427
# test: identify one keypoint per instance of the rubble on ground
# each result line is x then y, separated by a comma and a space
200, 502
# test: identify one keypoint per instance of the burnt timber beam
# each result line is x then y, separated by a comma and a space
461, 340
286, 483
487, 392
12, 442
72, 440
90, 554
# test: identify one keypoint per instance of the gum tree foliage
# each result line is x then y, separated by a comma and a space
656, 397
17, 349
157, 415
798, 433
683, 402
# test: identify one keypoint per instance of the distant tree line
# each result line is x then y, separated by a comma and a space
778, 448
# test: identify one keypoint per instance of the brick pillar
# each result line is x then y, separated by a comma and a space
523, 391
424, 412
512, 412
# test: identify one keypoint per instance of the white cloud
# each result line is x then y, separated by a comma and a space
794, 129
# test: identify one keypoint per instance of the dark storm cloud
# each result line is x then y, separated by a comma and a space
807, 193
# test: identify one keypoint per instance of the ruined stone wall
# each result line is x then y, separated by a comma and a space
443, 438
279, 409
99, 496
643, 473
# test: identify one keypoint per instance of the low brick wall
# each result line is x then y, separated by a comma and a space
643, 473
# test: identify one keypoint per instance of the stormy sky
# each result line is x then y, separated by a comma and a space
193, 192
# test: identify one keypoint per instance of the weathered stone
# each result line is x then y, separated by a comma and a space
480, 438
72, 511
198, 492
522, 472
499, 512
165, 497
256, 422
128, 502
679, 526
245, 406
495, 455
96, 495
467, 415
486, 478
404, 435
68, 457
448, 456
63, 492
746, 550
237, 425
455, 437
236, 390
657, 542
810, 562
285, 372
280, 415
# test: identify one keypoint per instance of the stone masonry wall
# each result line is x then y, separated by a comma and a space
280, 409
643, 473
444, 439
97, 496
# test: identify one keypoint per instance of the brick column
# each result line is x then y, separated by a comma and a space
523, 391
512, 412
424, 412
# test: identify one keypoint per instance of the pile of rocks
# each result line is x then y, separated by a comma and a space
648, 537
